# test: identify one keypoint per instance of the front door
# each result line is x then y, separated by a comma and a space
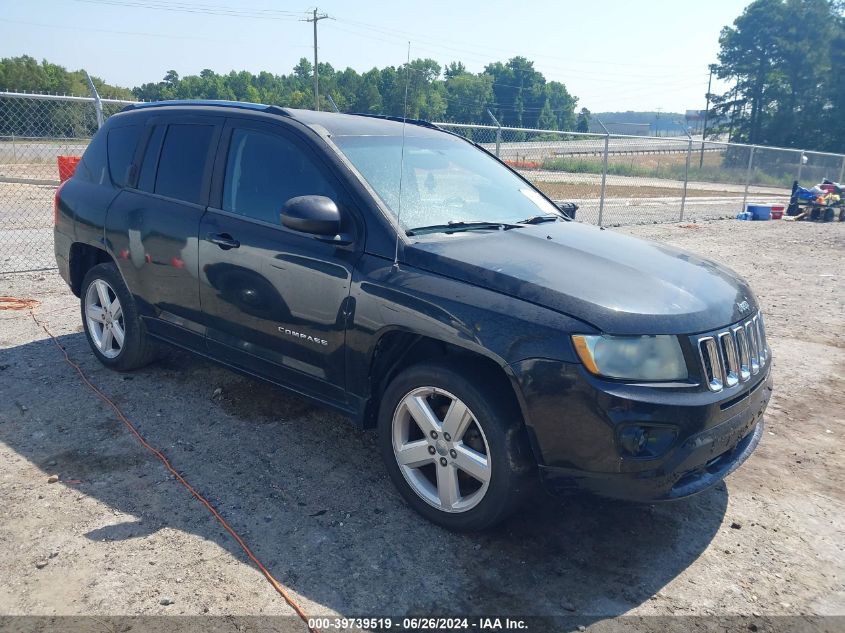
275, 300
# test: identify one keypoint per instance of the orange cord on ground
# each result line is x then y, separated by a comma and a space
13, 303
275, 583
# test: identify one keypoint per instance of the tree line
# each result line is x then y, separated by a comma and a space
514, 92
783, 60
26, 74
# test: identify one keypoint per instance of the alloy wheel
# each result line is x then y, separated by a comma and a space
104, 317
441, 449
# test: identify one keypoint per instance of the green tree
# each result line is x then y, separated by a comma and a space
468, 96
514, 90
367, 98
455, 69
304, 70
25, 74
777, 58
583, 123
547, 119
834, 117
171, 77
562, 104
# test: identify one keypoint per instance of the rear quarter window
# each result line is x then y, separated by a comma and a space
181, 166
94, 167
122, 143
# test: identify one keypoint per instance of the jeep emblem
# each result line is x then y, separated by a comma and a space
743, 306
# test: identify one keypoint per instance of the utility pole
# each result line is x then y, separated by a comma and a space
316, 18
706, 112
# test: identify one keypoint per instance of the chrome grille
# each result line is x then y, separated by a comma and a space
727, 347
735, 354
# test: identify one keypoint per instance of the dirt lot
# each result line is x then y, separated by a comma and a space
117, 535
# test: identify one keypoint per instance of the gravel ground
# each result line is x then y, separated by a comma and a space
117, 535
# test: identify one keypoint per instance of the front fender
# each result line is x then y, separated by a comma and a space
504, 329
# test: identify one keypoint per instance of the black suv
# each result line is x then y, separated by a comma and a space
404, 276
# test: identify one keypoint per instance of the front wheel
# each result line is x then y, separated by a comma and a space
455, 448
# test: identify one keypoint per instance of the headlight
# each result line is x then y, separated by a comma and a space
632, 357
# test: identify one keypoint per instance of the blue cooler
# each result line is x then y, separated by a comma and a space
760, 211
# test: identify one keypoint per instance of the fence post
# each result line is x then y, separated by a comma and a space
98, 105
800, 164
498, 132
748, 177
686, 172
604, 169
15, 153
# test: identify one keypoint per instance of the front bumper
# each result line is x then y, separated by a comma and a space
573, 430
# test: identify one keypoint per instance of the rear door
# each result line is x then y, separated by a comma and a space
275, 300
153, 225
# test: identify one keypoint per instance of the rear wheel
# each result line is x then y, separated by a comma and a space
110, 318
454, 448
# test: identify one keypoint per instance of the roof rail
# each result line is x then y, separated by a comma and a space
245, 105
390, 117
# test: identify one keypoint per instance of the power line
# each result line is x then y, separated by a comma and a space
180, 6
114, 32
206, 9
602, 77
417, 36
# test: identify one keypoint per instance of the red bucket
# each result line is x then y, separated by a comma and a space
777, 211
67, 165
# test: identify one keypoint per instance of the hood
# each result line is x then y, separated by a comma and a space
617, 283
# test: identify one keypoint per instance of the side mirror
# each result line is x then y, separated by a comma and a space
568, 209
312, 214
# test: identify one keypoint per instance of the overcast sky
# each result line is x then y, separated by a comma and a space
612, 54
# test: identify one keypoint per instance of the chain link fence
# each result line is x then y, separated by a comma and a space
34, 131
615, 179
619, 179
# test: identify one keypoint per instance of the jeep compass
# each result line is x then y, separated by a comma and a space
405, 277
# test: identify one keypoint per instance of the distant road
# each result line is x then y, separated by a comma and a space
539, 150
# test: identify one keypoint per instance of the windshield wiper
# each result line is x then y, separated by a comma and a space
454, 227
539, 219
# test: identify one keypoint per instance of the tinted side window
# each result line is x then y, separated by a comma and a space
182, 162
147, 177
122, 144
263, 171
93, 167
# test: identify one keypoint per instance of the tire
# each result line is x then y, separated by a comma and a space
103, 327
492, 433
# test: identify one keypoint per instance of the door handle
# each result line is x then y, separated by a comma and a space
223, 240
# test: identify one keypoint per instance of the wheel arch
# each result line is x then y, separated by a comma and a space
397, 349
82, 258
